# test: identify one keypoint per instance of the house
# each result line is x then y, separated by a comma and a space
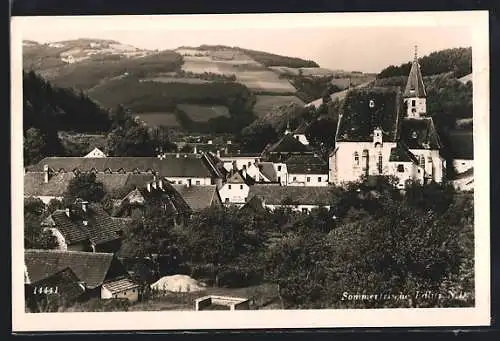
461, 145
306, 170
160, 192
300, 133
235, 189
84, 227
96, 152
199, 197
284, 148
192, 169
102, 275
298, 198
235, 160
464, 181
382, 132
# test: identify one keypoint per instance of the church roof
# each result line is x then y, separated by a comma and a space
419, 133
401, 153
364, 110
415, 84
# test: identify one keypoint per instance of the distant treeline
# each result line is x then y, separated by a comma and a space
457, 60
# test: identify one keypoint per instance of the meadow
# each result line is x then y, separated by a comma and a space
203, 113
166, 119
268, 103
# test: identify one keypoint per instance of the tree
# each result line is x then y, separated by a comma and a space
255, 139
161, 140
34, 146
134, 141
35, 236
85, 186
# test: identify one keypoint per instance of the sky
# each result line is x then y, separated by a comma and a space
335, 41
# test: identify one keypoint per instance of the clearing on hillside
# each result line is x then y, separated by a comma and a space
267, 103
203, 113
166, 119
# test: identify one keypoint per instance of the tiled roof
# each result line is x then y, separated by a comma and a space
360, 116
400, 153
289, 144
298, 195
120, 285
461, 145
235, 178
169, 197
100, 228
198, 197
185, 165
267, 169
306, 164
67, 284
301, 129
419, 133
90, 267
415, 85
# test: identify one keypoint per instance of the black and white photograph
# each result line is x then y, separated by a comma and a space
319, 169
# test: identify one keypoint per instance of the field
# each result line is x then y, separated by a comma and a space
265, 82
203, 113
267, 103
167, 79
166, 119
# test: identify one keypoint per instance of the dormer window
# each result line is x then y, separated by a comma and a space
414, 135
372, 103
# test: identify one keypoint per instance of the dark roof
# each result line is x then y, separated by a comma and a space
461, 145
289, 144
267, 169
301, 129
66, 282
122, 284
93, 268
235, 178
198, 197
303, 195
358, 119
34, 184
100, 228
401, 153
467, 174
419, 133
254, 205
172, 165
306, 164
415, 84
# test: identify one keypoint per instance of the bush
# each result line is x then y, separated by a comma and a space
96, 304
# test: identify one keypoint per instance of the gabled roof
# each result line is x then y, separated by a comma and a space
100, 227
122, 284
170, 165
295, 195
198, 197
364, 110
235, 178
415, 84
93, 268
401, 153
306, 164
267, 169
419, 133
67, 284
96, 152
289, 144
461, 145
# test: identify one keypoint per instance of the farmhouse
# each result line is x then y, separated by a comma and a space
84, 227
191, 169
377, 136
101, 275
298, 198
306, 170
160, 192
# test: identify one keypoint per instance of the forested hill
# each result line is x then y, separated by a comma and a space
456, 60
47, 107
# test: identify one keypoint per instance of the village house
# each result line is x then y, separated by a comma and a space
235, 189
199, 197
159, 192
101, 275
284, 148
190, 169
298, 198
84, 227
306, 170
235, 160
381, 132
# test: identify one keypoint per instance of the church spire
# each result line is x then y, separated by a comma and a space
415, 85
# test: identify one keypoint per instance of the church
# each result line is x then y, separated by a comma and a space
382, 131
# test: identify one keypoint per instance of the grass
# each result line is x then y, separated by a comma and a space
203, 113
163, 79
166, 119
268, 103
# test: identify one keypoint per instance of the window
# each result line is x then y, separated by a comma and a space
304, 210
294, 178
365, 160
422, 161
379, 163
319, 178
279, 168
226, 199
241, 186
197, 182
249, 163
413, 102
308, 179
372, 103
401, 168
279, 178
356, 159
229, 186
133, 290
429, 159
179, 182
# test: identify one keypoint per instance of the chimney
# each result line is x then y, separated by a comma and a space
67, 211
218, 153
148, 186
195, 150
46, 173
177, 155
160, 184
154, 176
154, 184
84, 205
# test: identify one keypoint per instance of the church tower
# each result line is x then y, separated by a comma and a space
414, 94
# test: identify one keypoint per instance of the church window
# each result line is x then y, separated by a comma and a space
379, 163
401, 168
356, 159
422, 161
365, 160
